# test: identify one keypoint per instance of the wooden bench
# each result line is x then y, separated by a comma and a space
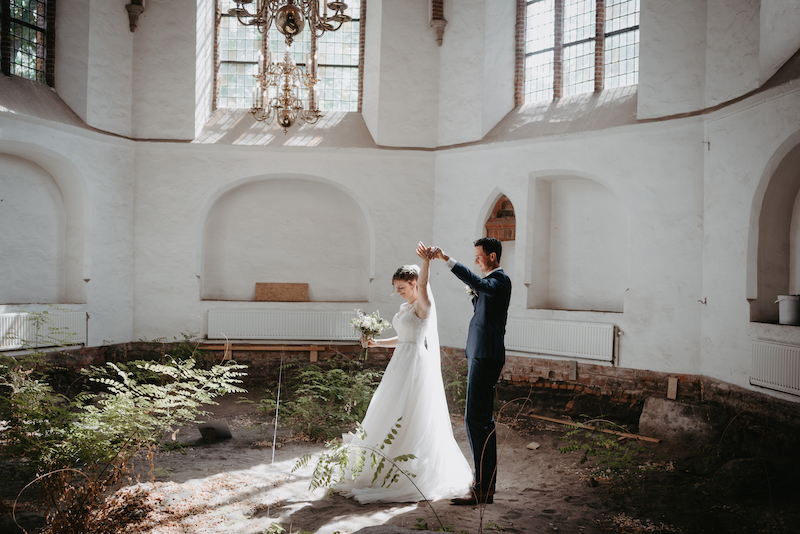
230, 347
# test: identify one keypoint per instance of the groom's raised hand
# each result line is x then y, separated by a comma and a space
435, 253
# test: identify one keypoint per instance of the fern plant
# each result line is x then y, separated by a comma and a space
81, 448
342, 458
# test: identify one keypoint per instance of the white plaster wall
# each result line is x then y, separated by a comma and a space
687, 185
98, 168
286, 230
476, 74
779, 36
372, 66
178, 185
168, 90
109, 68
72, 45
662, 195
461, 73
407, 108
744, 138
32, 231
589, 247
672, 57
499, 62
204, 64
732, 57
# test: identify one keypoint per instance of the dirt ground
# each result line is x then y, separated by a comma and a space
240, 485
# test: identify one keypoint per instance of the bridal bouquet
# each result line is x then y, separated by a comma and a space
369, 325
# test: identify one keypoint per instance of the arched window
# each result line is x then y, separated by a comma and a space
338, 53
577, 46
27, 39
502, 223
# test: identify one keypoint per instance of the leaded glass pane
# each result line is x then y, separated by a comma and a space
539, 26
622, 59
236, 85
539, 77
337, 89
579, 20
579, 68
28, 51
337, 56
621, 14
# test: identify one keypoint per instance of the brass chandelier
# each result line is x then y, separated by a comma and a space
284, 92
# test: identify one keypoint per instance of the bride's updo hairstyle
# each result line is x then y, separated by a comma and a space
409, 273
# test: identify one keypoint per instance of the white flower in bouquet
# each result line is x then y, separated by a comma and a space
369, 326
471, 293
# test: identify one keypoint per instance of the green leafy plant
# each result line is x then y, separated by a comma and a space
344, 460
454, 375
621, 462
79, 448
324, 402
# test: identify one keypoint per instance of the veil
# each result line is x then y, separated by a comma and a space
432, 331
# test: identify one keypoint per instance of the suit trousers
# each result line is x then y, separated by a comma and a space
482, 375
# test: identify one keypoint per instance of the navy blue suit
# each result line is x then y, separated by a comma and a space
486, 355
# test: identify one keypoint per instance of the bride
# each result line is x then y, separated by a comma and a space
411, 388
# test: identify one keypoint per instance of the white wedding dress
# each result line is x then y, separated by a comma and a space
411, 388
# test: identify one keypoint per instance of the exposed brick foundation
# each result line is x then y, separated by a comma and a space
595, 389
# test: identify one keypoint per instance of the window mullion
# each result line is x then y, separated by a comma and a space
50, 44
558, 49
599, 44
5, 38
311, 69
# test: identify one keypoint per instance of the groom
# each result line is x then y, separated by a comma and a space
486, 355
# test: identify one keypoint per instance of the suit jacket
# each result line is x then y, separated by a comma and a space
487, 329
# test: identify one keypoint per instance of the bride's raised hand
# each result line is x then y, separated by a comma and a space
423, 252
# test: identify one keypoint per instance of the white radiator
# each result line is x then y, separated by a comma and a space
592, 341
776, 366
277, 324
23, 330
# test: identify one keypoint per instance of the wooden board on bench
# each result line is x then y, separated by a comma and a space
313, 350
279, 292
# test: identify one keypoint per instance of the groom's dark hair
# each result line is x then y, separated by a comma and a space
490, 244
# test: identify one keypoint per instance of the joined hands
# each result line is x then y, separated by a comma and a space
429, 253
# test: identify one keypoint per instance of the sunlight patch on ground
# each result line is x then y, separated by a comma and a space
355, 522
250, 500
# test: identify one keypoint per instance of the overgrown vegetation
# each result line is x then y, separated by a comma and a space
322, 403
77, 449
622, 463
454, 375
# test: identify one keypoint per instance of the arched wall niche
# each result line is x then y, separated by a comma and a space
45, 224
488, 213
774, 238
578, 242
286, 229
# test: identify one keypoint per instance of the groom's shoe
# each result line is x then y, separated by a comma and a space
476, 497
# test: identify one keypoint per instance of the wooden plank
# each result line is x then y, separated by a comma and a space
279, 292
264, 347
313, 350
672, 388
588, 427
